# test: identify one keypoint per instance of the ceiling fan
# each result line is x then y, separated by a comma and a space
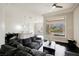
56, 6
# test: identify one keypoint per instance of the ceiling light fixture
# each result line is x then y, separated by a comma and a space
55, 5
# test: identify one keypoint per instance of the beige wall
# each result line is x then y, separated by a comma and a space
76, 25
20, 19
68, 28
2, 32
13, 18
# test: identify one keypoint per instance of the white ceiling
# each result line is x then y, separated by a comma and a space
41, 8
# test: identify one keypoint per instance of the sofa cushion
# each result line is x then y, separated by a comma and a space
6, 48
11, 52
37, 53
38, 41
24, 48
20, 41
14, 43
22, 53
35, 45
33, 38
27, 41
69, 53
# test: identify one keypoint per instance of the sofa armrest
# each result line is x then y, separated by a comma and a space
49, 55
1, 52
69, 53
11, 52
38, 41
22, 53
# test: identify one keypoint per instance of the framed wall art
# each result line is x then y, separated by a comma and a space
56, 27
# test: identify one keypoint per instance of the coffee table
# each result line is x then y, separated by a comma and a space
50, 49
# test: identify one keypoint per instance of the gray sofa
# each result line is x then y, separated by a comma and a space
22, 47
69, 53
7, 50
34, 43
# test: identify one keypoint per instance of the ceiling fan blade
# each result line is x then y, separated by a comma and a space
59, 6
54, 4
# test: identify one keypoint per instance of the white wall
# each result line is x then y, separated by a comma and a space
18, 16
76, 25
2, 33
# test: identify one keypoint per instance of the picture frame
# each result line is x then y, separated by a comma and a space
56, 27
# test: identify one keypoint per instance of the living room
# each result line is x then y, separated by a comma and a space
39, 29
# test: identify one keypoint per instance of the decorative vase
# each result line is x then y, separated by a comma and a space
49, 43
